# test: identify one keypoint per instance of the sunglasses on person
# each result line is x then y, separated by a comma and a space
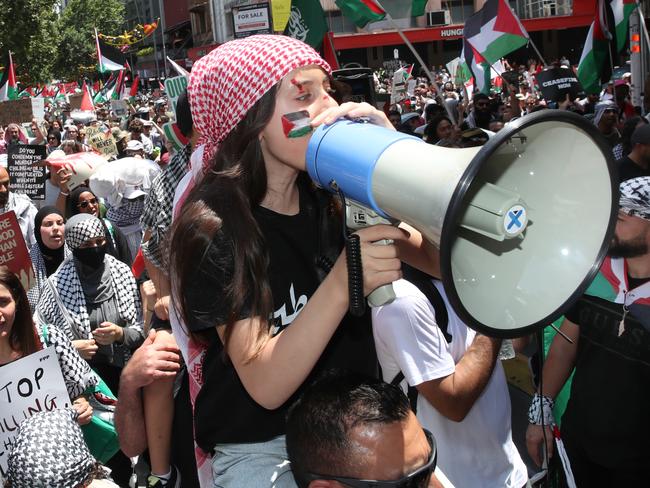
610, 111
51, 138
417, 479
85, 203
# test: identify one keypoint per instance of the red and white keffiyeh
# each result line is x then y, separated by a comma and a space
226, 83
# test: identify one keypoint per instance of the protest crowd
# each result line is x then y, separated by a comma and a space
193, 284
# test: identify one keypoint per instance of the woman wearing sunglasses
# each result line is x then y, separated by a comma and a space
83, 201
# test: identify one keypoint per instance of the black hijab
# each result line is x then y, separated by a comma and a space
52, 257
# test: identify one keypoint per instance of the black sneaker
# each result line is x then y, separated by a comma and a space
174, 480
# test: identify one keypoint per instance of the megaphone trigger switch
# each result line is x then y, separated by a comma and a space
515, 220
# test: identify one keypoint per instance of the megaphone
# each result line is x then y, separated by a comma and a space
522, 223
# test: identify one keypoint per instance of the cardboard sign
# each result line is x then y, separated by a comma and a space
556, 83
27, 386
119, 108
21, 110
24, 177
75, 101
174, 87
101, 139
13, 250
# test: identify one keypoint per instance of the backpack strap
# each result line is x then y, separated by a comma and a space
412, 391
425, 284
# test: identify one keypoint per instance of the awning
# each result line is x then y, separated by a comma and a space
179, 26
448, 32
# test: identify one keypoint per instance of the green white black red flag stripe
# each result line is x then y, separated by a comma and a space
495, 30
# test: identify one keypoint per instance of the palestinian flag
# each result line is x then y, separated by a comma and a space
622, 10
475, 64
175, 136
134, 88
109, 57
118, 91
594, 66
417, 8
8, 87
495, 31
361, 11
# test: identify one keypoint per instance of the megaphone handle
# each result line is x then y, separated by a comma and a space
385, 294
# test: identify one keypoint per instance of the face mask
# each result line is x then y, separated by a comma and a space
90, 256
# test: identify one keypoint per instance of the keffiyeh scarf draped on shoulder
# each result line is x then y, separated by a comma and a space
67, 284
40, 273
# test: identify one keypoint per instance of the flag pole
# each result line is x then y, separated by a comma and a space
417, 57
539, 55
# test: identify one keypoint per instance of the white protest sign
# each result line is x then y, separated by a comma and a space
174, 87
119, 108
30, 385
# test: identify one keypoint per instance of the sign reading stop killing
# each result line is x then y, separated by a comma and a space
13, 250
27, 386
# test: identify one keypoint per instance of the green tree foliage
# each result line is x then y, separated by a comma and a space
77, 23
28, 28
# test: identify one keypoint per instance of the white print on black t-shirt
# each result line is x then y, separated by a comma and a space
282, 311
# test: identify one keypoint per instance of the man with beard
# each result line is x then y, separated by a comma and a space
606, 425
606, 119
21, 204
481, 114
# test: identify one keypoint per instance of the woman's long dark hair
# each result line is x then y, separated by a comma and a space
224, 200
22, 337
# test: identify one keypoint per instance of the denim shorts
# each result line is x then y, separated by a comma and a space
260, 464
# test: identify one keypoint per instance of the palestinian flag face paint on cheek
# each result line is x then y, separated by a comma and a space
296, 124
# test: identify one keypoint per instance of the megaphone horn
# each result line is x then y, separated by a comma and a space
522, 223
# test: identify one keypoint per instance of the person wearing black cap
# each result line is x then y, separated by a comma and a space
637, 163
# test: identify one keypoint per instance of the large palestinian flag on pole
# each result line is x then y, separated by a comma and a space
594, 67
622, 10
108, 57
8, 86
495, 31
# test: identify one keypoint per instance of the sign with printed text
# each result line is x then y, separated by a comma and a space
556, 83
254, 19
101, 139
174, 87
21, 110
27, 386
24, 176
13, 250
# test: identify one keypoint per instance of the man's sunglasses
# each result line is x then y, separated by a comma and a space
85, 203
417, 479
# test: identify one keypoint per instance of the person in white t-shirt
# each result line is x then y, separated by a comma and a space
462, 391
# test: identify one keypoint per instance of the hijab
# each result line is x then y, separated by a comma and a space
51, 257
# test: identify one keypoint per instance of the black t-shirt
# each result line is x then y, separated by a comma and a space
608, 411
628, 169
224, 412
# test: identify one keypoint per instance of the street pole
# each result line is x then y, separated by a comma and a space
155, 47
161, 7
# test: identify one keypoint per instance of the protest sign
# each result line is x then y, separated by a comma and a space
75, 101
13, 250
24, 176
27, 386
101, 139
119, 108
174, 87
21, 110
556, 83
